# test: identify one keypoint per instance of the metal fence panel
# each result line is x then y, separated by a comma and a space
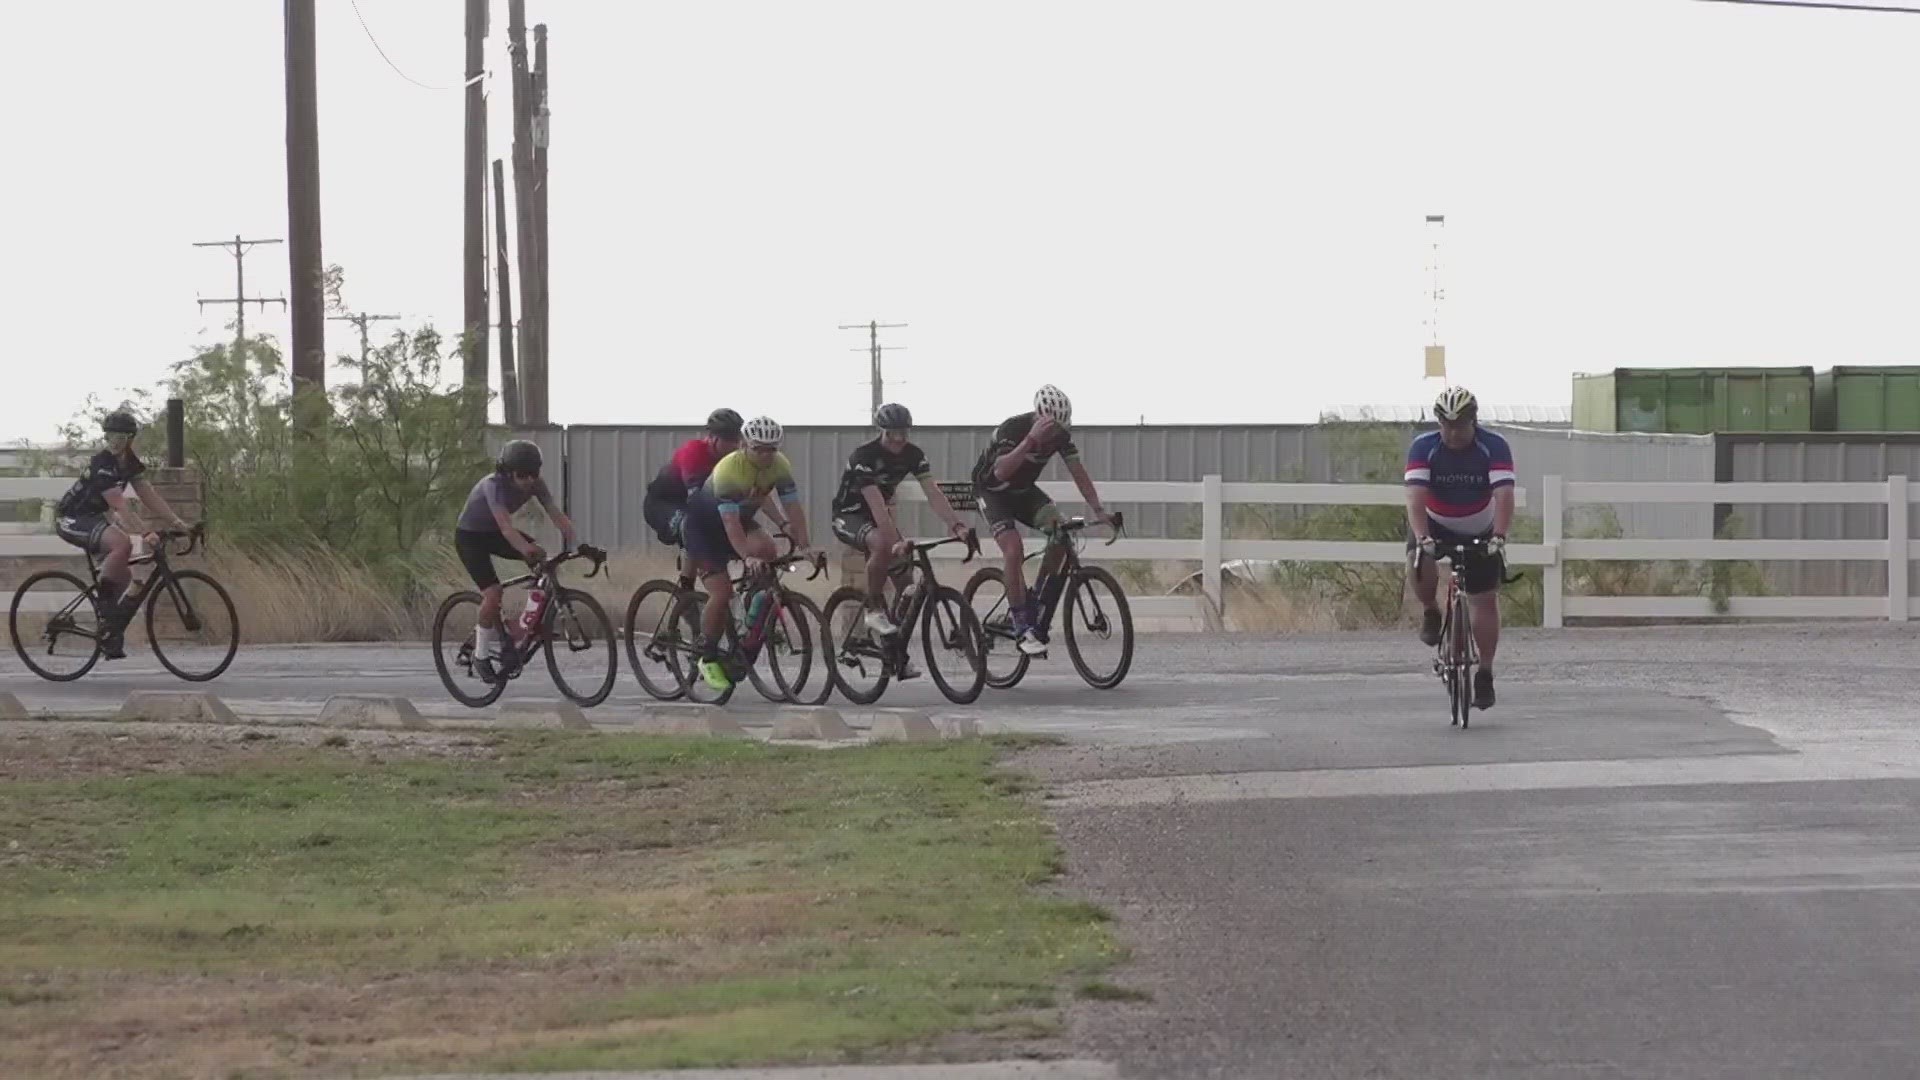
609, 466
1812, 457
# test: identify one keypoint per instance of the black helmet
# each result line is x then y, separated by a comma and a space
724, 423
519, 456
120, 422
892, 417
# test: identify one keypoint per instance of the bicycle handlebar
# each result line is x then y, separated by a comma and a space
784, 561
1076, 524
972, 540
584, 551
193, 536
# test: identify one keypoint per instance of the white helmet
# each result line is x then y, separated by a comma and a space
1049, 402
762, 431
1455, 402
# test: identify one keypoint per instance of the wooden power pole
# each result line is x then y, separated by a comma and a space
474, 344
510, 407
875, 379
361, 319
533, 355
305, 276
238, 247
543, 249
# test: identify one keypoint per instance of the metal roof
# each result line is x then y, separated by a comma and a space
1418, 414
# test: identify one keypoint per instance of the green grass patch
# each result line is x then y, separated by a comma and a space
545, 901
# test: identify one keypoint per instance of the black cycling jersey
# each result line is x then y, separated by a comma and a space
873, 463
106, 471
1009, 435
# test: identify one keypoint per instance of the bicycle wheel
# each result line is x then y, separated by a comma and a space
192, 626
453, 651
687, 615
816, 686
856, 662
1463, 660
950, 633
986, 594
582, 655
52, 615
1099, 629
787, 652
654, 649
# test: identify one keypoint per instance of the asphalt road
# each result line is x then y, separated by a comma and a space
1667, 852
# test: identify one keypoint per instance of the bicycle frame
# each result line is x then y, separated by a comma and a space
919, 570
743, 644
162, 576
1052, 587
1457, 655
547, 577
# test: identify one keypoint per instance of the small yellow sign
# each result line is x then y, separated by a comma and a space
1436, 361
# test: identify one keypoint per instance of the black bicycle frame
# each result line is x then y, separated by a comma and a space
1054, 585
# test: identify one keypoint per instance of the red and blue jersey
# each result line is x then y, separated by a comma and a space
1460, 483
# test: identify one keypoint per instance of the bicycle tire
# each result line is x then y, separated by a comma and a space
856, 598
790, 619
821, 665
677, 688
687, 613
152, 605
1106, 580
575, 599
968, 635
991, 641
1463, 664
494, 688
13, 625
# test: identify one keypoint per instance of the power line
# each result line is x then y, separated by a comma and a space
1823, 4
396, 67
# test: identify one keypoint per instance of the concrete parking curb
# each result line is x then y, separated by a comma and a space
905, 725
813, 722
371, 710
174, 706
544, 714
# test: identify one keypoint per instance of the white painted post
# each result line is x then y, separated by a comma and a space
1553, 515
1897, 602
1213, 536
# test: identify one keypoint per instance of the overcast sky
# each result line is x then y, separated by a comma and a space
1184, 211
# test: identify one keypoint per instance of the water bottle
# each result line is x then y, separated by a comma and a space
536, 605
755, 607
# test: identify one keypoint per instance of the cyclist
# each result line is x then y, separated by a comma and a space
720, 526
486, 531
665, 504
94, 516
1006, 480
863, 507
1460, 489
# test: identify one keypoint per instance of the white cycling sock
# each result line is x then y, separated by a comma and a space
487, 638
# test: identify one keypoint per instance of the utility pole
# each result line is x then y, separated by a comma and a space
474, 370
533, 347
361, 319
305, 277
1436, 351
240, 299
873, 350
510, 408
542, 249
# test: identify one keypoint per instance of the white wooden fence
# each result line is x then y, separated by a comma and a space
19, 538
1213, 548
